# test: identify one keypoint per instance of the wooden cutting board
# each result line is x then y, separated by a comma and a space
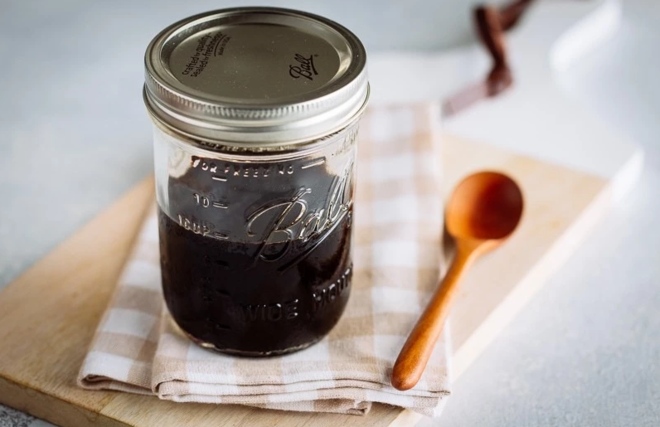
50, 313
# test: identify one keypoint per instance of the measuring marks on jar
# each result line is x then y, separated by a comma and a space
313, 163
206, 202
204, 228
203, 201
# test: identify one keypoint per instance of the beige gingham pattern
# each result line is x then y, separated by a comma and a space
398, 226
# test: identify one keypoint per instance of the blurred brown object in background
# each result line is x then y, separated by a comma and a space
491, 25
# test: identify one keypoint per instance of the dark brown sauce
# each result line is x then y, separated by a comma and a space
243, 297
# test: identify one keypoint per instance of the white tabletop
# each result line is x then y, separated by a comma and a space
585, 351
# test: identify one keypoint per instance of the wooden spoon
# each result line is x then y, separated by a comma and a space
483, 211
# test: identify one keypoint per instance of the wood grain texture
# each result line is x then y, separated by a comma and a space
50, 313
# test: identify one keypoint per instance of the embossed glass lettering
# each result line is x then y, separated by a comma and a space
293, 220
271, 312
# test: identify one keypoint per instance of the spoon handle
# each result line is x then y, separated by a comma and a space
419, 346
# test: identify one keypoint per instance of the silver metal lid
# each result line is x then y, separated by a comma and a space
256, 76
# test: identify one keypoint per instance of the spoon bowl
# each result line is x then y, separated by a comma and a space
484, 206
483, 211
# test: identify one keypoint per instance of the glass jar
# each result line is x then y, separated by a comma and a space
255, 115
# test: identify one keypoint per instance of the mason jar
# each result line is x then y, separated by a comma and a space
255, 115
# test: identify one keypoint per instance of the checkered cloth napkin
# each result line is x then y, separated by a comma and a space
398, 224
